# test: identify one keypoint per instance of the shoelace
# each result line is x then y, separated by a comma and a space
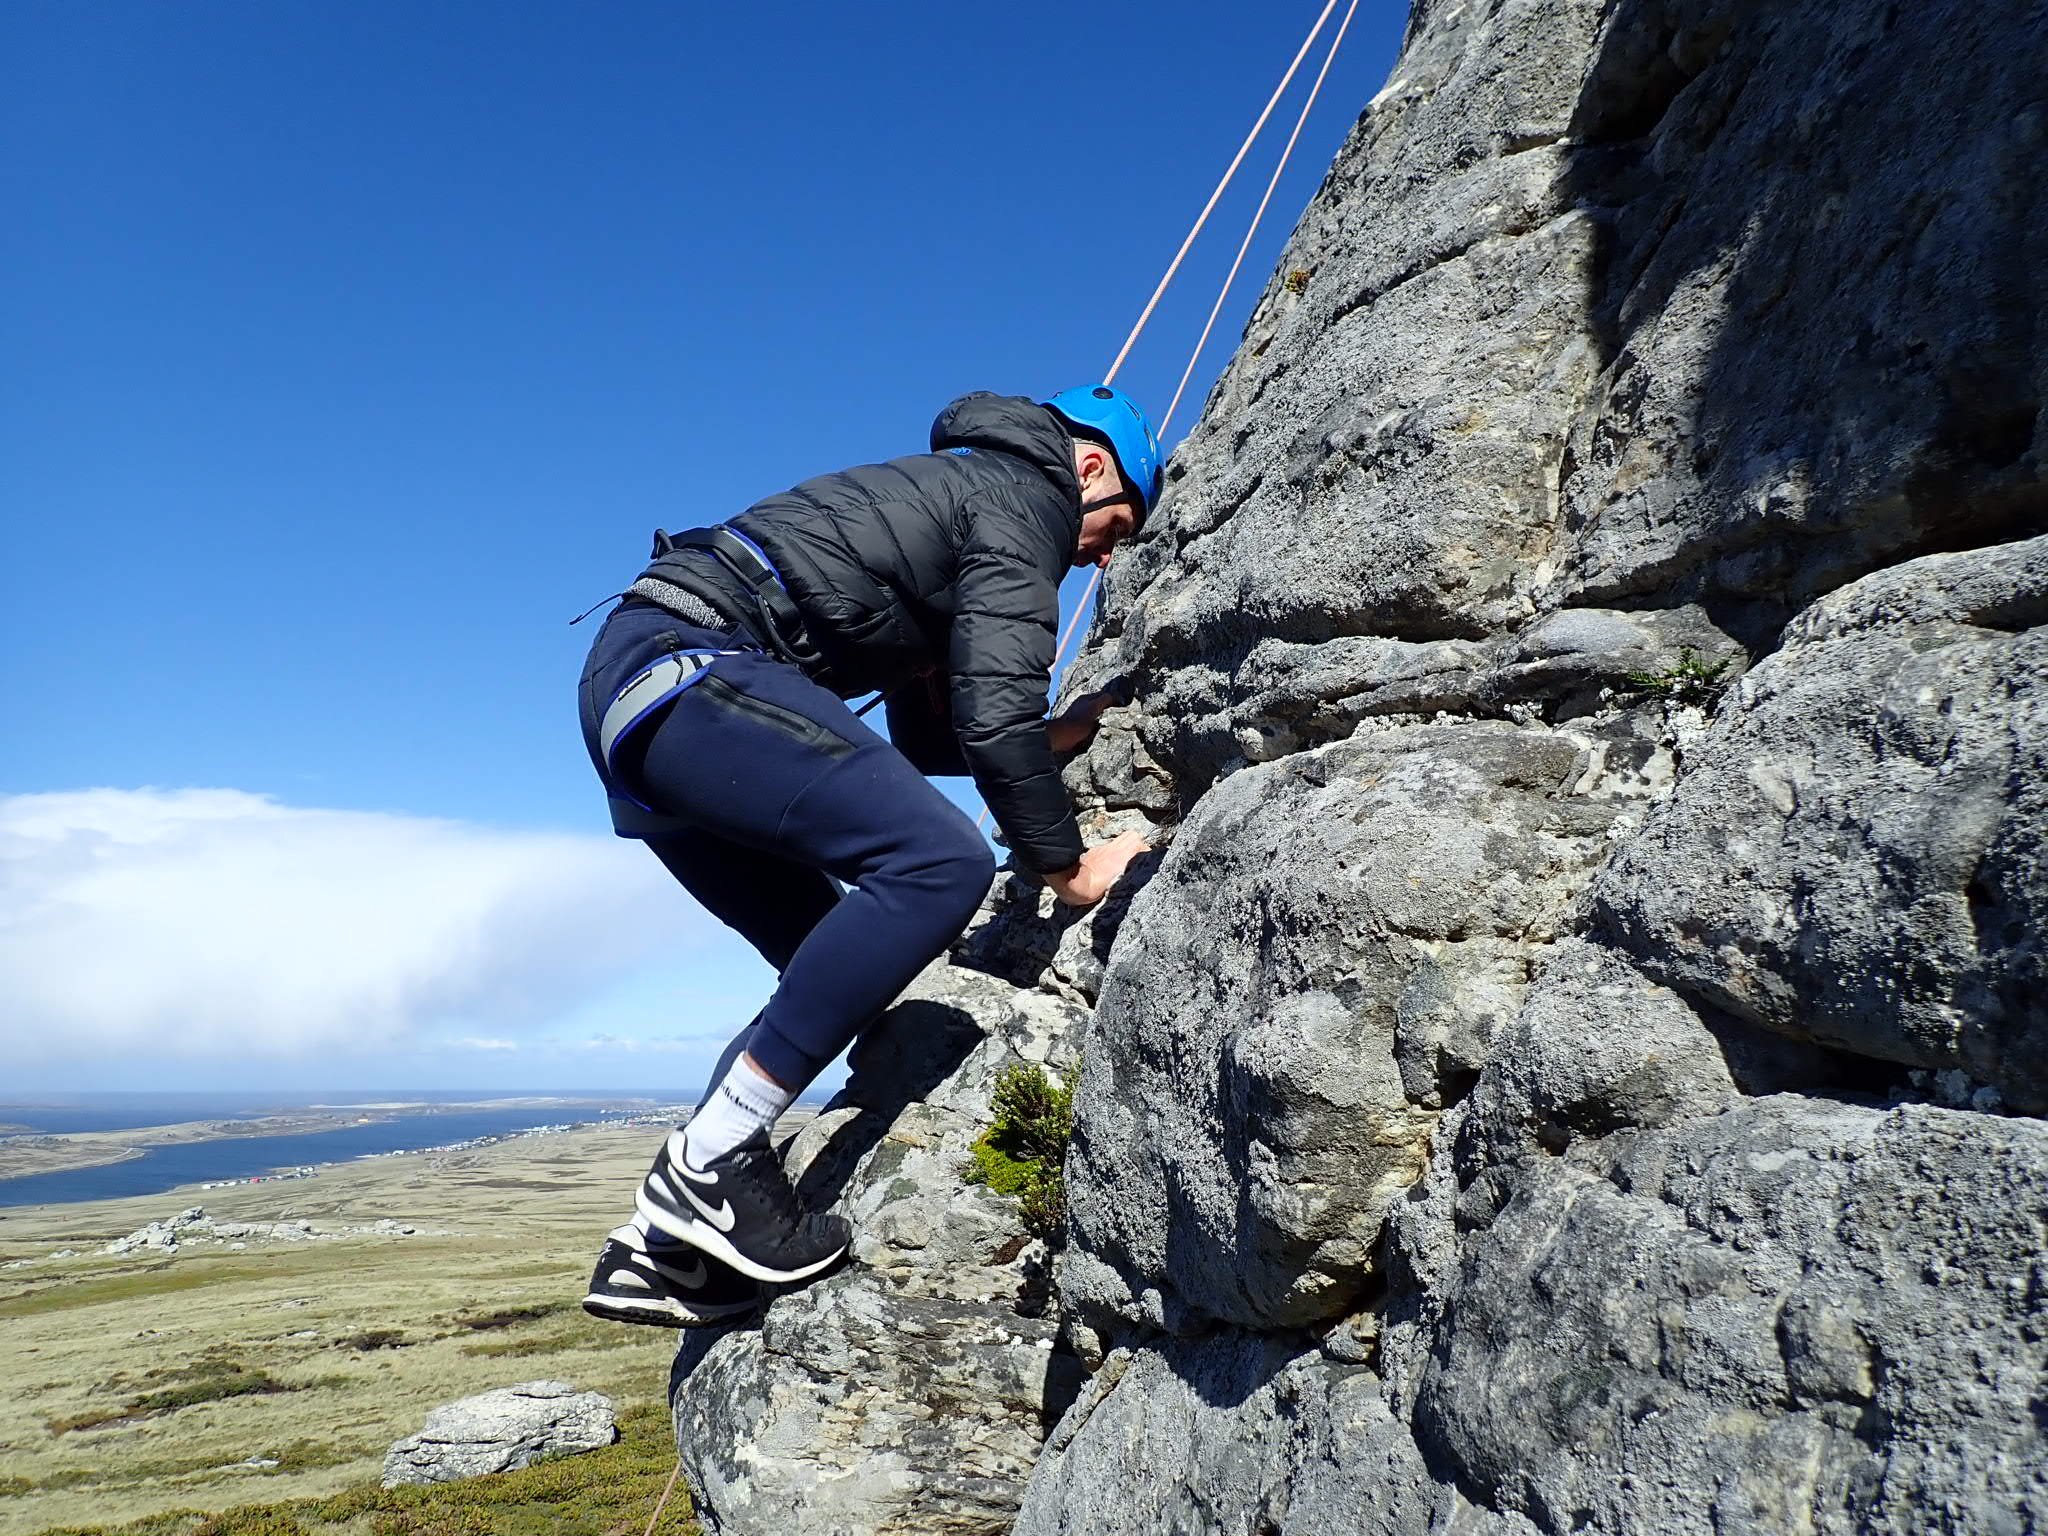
766, 1171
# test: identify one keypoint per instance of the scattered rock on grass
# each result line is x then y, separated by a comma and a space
502, 1431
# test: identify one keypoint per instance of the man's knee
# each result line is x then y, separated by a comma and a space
962, 868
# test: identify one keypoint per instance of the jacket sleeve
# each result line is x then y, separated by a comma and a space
920, 716
1006, 612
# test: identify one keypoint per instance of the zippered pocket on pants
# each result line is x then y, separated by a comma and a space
799, 728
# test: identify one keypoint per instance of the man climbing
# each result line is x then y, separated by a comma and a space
712, 705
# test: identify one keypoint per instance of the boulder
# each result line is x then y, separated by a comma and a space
501, 1431
1795, 1314
1242, 1432
1317, 967
1855, 853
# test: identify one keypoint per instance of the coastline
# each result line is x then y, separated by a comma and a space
27, 1153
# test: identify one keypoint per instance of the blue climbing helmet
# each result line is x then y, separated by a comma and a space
1097, 411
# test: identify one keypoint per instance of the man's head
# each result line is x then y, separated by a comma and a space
1110, 513
1117, 461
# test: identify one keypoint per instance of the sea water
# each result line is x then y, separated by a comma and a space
240, 1157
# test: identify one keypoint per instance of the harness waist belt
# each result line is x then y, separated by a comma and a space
685, 605
650, 688
743, 558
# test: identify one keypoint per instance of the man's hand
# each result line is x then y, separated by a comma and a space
1089, 881
1070, 731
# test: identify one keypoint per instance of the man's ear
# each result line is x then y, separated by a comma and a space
1093, 462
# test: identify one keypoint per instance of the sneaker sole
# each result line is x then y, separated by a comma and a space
660, 1312
706, 1238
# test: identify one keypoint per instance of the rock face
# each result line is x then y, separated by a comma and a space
1577, 1064
911, 1391
501, 1431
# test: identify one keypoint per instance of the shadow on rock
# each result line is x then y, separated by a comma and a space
918, 1046
1814, 363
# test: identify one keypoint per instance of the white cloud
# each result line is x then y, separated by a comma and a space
216, 924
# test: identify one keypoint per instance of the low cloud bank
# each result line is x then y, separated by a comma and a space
213, 923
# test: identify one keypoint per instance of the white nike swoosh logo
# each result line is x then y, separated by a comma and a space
722, 1218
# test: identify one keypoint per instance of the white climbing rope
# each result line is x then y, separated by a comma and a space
1216, 196
1251, 233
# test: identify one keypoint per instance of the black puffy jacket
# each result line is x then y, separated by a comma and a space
947, 563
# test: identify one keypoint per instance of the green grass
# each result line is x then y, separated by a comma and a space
163, 1279
208, 1381
600, 1494
1024, 1152
1690, 681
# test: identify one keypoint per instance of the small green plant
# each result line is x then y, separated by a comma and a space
1297, 280
1024, 1153
1691, 680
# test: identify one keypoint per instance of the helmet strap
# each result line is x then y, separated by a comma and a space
1121, 498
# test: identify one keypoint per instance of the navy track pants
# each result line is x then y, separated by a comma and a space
767, 795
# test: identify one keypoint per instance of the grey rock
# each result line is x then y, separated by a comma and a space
1576, 659
1241, 1434
1854, 855
1216, 715
1796, 1314
501, 1431
1597, 1049
1322, 958
2004, 587
1813, 368
853, 1407
912, 1390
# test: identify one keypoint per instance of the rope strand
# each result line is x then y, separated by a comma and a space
1095, 576
1216, 196
662, 1503
1258, 218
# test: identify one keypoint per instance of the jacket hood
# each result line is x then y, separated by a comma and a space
1015, 425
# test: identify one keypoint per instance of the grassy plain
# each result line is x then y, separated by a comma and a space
141, 1384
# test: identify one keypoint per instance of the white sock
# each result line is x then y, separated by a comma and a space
744, 1102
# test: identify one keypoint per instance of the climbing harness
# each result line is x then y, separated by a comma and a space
780, 624
658, 683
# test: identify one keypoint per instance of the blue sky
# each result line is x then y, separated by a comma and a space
353, 348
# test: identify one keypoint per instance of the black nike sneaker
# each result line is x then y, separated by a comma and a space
666, 1285
741, 1210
